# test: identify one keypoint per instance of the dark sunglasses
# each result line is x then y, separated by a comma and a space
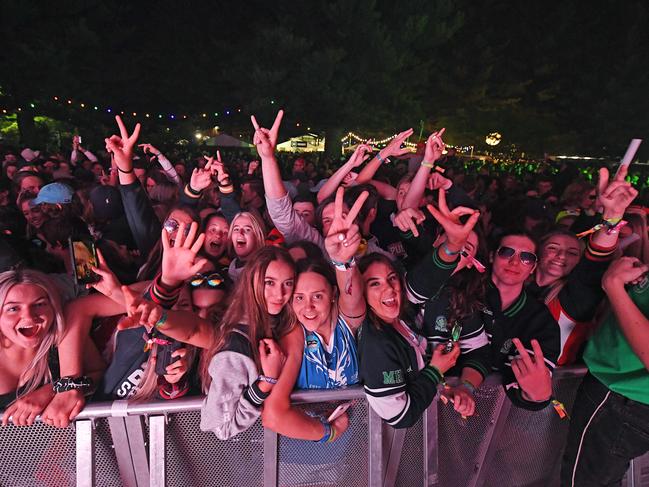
171, 225
527, 258
212, 280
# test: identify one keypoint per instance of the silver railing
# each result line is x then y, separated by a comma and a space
160, 444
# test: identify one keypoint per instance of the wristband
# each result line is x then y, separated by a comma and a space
226, 189
381, 159
269, 380
429, 165
344, 266
161, 321
70, 383
327, 432
122, 170
469, 386
450, 252
192, 190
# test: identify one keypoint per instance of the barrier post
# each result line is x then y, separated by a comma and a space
270, 458
375, 453
157, 451
85, 469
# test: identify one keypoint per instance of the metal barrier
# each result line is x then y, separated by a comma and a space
160, 444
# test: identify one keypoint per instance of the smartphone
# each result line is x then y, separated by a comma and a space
79, 139
84, 256
164, 358
340, 410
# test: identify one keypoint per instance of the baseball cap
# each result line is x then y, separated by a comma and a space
106, 202
54, 193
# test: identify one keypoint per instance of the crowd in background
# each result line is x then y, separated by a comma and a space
244, 276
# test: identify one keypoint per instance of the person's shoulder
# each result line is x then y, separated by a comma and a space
238, 341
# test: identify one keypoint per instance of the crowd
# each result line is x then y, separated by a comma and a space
246, 279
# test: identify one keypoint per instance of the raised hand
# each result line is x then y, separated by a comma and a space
108, 285
349, 179
252, 167
456, 231
445, 361
264, 139
360, 155
180, 261
531, 373
122, 146
344, 236
434, 146
149, 149
626, 270
394, 149
614, 196
437, 181
408, 219
140, 311
201, 178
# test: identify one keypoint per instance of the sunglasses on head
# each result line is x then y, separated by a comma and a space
171, 225
527, 258
212, 280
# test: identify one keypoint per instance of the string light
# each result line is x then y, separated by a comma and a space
352, 136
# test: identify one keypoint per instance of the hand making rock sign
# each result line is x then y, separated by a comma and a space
264, 139
532, 374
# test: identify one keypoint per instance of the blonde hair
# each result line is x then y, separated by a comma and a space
258, 230
38, 371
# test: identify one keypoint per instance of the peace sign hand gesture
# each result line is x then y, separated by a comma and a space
614, 196
360, 155
264, 139
434, 146
531, 373
122, 146
180, 261
344, 236
394, 149
456, 231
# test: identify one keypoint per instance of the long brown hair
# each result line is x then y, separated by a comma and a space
247, 305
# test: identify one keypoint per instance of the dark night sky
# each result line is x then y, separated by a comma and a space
566, 77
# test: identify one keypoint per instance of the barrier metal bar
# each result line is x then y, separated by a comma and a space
395, 438
123, 451
85, 468
375, 453
137, 445
157, 451
431, 465
271, 464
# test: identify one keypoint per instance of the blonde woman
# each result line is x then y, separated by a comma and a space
245, 236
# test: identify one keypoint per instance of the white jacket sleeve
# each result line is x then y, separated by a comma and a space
227, 409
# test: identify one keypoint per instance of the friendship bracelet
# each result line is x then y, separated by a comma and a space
332, 437
269, 380
125, 172
344, 266
327, 432
161, 321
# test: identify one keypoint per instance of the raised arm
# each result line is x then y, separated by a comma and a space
342, 244
434, 147
266, 140
166, 165
393, 149
360, 155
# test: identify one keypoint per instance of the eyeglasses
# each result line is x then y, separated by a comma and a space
171, 225
527, 258
213, 280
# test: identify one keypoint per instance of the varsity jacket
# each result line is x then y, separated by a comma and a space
574, 305
234, 400
525, 319
423, 286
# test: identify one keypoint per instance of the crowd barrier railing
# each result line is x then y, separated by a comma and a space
160, 444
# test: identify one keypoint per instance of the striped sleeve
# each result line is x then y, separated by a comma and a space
428, 277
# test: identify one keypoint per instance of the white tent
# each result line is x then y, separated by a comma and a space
303, 143
225, 140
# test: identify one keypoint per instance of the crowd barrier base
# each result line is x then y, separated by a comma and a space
160, 444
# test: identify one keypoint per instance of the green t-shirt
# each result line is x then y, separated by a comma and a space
611, 359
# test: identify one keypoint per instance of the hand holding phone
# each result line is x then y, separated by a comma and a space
340, 410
